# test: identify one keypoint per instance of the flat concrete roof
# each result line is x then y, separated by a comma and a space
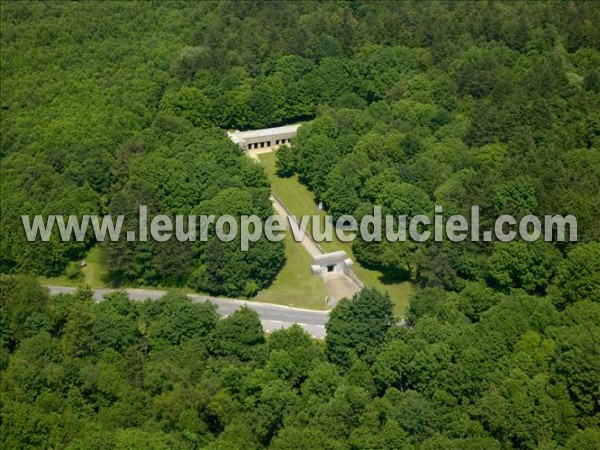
332, 257
240, 136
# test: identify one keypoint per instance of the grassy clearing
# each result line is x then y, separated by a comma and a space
300, 201
60, 281
297, 198
294, 285
94, 273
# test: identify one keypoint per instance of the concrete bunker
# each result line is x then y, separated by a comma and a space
267, 138
331, 263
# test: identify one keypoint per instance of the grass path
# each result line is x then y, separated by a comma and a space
94, 273
300, 201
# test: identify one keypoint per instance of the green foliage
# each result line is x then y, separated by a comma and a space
73, 270
530, 266
358, 326
511, 372
577, 354
178, 179
404, 103
238, 335
285, 162
499, 112
434, 302
174, 320
115, 131
24, 309
578, 277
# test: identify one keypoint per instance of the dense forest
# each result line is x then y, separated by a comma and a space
508, 120
478, 369
106, 105
109, 105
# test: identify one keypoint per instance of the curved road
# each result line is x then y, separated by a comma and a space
273, 317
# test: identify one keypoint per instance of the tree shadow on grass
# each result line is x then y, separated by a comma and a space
393, 276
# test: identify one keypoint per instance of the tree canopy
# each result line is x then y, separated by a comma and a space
106, 106
510, 371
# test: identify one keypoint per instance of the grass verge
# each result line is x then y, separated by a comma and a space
300, 201
294, 285
94, 273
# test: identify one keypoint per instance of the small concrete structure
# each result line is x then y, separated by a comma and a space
334, 269
268, 138
331, 263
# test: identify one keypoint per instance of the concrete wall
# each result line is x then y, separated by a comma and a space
267, 142
335, 262
268, 138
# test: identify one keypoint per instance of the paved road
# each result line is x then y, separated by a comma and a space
273, 317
